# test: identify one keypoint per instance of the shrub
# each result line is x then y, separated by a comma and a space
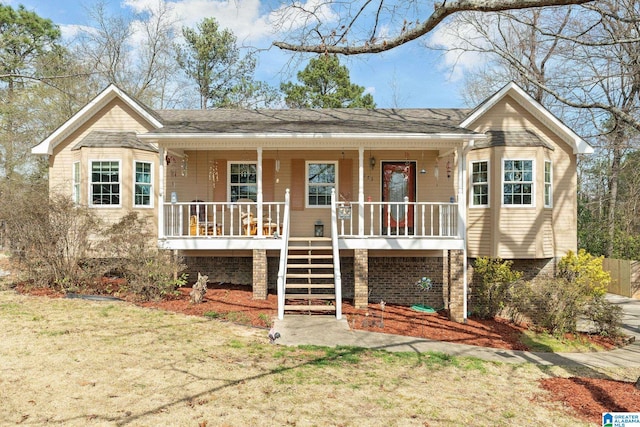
585, 270
492, 293
556, 304
131, 251
551, 304
605, 316
49, 238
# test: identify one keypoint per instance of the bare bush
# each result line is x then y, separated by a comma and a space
606, 317
130, 251
552, 304
49, 237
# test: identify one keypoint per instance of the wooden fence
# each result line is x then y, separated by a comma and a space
625, 277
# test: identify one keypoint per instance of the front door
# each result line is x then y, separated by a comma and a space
398, 182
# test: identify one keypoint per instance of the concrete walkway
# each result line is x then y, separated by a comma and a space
329, 332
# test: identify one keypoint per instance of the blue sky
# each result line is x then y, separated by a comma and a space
410, 76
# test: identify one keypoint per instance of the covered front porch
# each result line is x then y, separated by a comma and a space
257, 196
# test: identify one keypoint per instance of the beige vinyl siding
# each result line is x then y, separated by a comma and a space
479, 233
115, 116
525, 232
548, 246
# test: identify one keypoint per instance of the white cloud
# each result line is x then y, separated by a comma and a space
248, 20
69, 31
453, 39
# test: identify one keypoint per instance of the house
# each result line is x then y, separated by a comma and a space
321, 205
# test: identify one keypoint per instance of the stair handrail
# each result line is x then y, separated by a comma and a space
284, 249
336, 255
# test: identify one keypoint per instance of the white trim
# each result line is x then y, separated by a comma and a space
88, 111
151, 192
76, 195
579, 145
306, 181
544, 184
90, 184
472, 185
533, 183
240, 162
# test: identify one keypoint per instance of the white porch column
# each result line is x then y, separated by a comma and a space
161, 183
462, 217
259, 189
361, 191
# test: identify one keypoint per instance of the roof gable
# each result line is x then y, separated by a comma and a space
88, 111
579, 145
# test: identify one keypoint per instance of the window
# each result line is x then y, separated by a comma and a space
518, 182
321, 178
142, 185
480, 183
105, 183
76, 183
548, 192
243, 181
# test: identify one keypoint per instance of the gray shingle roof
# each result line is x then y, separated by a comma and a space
344, 120
101, 139
512, 138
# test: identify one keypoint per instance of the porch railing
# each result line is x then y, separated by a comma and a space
222, 219
398, 219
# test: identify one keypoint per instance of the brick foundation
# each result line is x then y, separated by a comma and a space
237, 270
368, 279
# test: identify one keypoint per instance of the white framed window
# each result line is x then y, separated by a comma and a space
243, 181
480, 183
321, 179
548, 187
104, 189
517, 183
142, 187
75, 183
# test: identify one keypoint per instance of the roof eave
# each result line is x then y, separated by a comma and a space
101, 100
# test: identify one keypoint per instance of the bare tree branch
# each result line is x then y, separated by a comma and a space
329, 43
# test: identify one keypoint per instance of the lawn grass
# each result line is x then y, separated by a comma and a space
543, 341
83, 363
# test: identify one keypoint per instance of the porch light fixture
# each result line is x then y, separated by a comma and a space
372, 162
318, 229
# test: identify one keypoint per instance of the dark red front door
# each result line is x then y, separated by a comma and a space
398, 182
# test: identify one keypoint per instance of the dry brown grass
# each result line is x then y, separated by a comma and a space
76, 362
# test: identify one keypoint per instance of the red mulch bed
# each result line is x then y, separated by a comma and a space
588, 397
